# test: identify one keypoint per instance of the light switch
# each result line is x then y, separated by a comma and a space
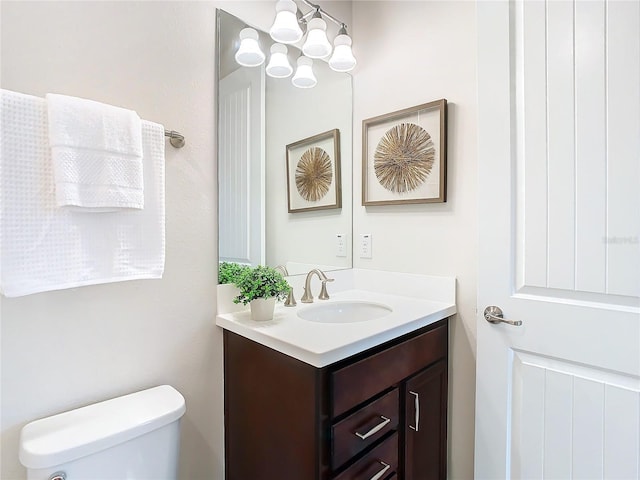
365, 245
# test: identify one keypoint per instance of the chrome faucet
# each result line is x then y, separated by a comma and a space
307, 297
291, 300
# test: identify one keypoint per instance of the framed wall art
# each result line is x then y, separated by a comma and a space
404, 156
313, 173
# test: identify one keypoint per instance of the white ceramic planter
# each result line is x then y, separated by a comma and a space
226, 293
262, 309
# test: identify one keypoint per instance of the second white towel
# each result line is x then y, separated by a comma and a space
96, 151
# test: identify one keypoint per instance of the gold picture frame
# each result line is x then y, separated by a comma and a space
313, 173
404, 156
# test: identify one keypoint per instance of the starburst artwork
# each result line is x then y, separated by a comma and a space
314, 174
404, 157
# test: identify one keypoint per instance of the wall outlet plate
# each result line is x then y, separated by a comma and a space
341, 244
366, 250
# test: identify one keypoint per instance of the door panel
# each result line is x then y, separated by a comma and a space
623, 145
241, 167
561, 415
558, 396
570, 76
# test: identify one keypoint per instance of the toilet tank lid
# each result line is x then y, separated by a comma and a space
77, 433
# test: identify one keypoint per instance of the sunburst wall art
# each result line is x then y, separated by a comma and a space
404, 156
313, 173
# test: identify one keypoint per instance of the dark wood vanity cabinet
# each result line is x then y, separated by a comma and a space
380, 414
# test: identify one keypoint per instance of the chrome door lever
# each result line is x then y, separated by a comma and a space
493, 314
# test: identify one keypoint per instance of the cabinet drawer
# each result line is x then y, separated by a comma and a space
375, 462
372, 422
359, 381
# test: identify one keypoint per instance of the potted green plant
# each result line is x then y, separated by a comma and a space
260, 287
228, 275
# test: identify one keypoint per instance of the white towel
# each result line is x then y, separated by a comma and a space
43, 247
97, 154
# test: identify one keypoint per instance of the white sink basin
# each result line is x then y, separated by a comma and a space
344, 312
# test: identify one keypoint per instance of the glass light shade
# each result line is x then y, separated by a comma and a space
279, 66
317, 45
342, 59
304, 77
249, 53
285, 28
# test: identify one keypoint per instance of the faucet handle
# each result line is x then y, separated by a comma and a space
291, 300
323, 291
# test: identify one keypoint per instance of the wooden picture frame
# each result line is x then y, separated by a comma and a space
404, 156
313, 173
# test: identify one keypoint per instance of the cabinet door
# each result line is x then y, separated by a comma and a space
425, 429
273, 412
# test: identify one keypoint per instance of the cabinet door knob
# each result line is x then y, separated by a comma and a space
417, 410
381, 473
375, 429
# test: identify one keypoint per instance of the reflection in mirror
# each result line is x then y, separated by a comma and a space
258, 117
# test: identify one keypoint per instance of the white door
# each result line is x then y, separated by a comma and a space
241, 159
558, 397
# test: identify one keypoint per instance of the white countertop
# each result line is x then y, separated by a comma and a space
321, 344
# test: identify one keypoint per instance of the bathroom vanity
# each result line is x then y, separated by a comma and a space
322, 400
384, 410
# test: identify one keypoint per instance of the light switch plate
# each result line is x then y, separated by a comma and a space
366, 245
341, 245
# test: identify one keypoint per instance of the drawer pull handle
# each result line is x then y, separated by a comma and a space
381, 473
417, 400
375, 429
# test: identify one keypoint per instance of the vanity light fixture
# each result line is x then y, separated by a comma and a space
317, 44
279, 66
286, 27
342, 59
304, 77
249, 53
289, 27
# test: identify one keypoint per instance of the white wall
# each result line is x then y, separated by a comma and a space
68, 348
411, 53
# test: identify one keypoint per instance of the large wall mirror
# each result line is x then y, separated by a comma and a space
261, 221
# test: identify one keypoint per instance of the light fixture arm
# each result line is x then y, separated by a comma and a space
306, 16
317, 9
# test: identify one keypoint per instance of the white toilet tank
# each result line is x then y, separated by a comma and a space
133, 437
